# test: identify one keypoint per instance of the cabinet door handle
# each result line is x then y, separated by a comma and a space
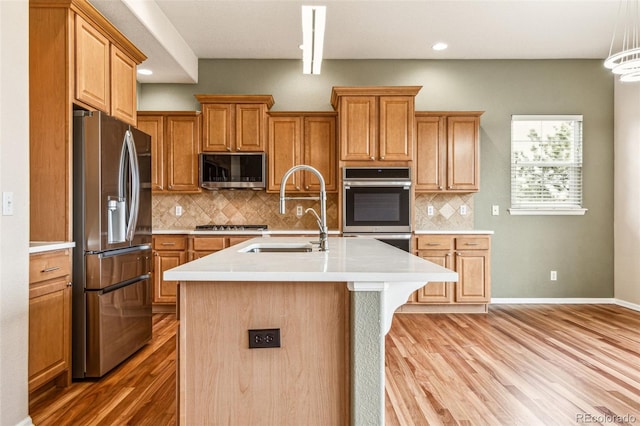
228, 148
69, 284
168, 244
471, 244
434, 244
51, 269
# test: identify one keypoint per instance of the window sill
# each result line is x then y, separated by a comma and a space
547, 212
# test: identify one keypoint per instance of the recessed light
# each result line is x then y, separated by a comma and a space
440, 46
144, 71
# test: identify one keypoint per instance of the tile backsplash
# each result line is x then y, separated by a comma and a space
247, 207
446, 212
244, 207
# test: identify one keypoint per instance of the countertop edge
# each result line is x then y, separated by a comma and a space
309, 231
44, 246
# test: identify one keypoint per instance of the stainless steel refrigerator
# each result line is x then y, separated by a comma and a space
112, 231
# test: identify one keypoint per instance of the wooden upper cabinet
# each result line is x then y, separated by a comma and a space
234, 123
376, 123
76, 57
302, 138
92, 71
153, 125
175, 145
182, 137
358, 128
319, 151
123, 86
447, 151
396, 128
463, 153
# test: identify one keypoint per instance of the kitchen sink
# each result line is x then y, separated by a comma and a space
277, 248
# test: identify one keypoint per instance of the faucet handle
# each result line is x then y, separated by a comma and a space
318, 221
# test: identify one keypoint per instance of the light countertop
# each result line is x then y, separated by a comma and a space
348, 260
249, 232
42, 246
457, 231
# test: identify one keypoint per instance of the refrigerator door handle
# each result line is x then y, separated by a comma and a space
129, 150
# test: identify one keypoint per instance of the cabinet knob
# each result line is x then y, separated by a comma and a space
238, 149
450, 187
440, 187
306, 187
372, 157
228, 148
69, 284
382, 157
297, 188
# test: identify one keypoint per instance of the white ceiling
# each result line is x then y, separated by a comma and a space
175, 33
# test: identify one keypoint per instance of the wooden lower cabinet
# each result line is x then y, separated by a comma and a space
169, 251
469, 256
50, 319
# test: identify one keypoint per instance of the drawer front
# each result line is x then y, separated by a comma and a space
45, 266
435, 242
209, 243
169, 242
472, 243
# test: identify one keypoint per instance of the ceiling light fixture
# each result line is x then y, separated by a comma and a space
313, 20
624, 53
440, 46
144, 71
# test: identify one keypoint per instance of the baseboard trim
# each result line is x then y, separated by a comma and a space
563, 301
552, 300
25, 422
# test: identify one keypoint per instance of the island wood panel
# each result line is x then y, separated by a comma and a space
305, 381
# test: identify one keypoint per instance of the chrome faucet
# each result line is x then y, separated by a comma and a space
322, 218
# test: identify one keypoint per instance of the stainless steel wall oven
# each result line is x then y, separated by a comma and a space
377, 202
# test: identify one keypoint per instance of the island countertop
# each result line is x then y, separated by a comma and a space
348, 259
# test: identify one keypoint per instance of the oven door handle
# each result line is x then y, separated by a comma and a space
406, 184
378, 236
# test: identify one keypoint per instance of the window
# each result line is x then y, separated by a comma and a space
546, 164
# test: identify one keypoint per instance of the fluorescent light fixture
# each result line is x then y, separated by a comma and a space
313, 20
145, 71
440, 46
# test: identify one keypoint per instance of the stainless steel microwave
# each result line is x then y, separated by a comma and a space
233, 170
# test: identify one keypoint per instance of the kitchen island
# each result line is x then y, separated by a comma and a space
322, 316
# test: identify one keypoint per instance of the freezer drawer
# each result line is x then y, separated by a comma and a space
112, 267
118, 324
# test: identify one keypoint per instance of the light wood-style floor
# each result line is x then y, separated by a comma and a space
517, 365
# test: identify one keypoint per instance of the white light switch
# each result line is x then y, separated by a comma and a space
463, 210
429, 210
495, 210
178, 210
299, 211
7, 203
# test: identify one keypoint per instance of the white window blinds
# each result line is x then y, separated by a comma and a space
546, 162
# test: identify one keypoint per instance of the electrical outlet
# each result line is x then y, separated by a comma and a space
265, 338
178, 210
553, 276
495, 210
430, 211
7, 204
299, 211
463, 210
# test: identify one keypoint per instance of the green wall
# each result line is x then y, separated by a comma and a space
525, 248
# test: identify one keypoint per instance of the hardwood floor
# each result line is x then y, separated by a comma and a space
517, 365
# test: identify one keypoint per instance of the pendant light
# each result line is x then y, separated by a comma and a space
624, 53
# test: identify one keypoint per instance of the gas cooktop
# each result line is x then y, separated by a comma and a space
211, 227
